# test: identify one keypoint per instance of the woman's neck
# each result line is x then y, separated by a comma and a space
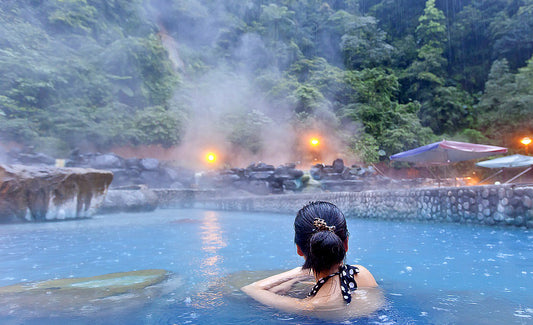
333, 269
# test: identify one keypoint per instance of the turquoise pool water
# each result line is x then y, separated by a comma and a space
430, 273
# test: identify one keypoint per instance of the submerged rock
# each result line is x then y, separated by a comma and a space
96, 287
40, 193
81, 296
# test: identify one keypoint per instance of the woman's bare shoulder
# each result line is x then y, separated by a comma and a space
364, 278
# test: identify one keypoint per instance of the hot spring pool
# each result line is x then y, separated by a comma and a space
430, 273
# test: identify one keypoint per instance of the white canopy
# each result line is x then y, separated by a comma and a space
507, 162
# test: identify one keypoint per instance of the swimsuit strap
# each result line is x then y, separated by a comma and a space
348, 284
320, 283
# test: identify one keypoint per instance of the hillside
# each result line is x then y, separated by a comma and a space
254, 78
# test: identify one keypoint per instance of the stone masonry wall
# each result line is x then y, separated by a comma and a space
505, 205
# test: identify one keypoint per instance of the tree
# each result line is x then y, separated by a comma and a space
471, 42
397, 17
445, 108
512, 32
64, 76
427, 72
449, 110
363, 45
498, 86
507, 103
159, 126
393, 126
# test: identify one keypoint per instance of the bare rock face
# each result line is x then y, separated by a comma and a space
40, 193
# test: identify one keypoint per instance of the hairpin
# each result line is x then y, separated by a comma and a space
321, 225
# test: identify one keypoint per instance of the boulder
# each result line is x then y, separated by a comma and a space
338, 165
292, 184
149, 163
226, 179
262, 175
35, 159
286, 172
346, 173
295, 173
40, 193
258, 187
132, 163
107, 161
124, 177
316, 171
152, 178
133, 199
261, 167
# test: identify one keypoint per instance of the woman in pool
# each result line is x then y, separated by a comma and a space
321, 237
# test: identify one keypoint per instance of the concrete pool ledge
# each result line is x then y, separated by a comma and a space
501, 205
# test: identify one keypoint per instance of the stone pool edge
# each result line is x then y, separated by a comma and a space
501, 205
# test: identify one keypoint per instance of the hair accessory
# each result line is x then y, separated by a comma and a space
321, 225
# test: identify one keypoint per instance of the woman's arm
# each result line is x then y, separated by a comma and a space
283, 288
293, 275
265, 291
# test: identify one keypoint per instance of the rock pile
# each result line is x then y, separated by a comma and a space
258, 178
134, 171
27, 156
127, 171
338, 177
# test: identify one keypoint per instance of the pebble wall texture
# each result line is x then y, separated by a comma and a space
505, 205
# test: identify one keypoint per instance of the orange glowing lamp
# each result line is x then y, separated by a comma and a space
211, 158
314, 142
526, 141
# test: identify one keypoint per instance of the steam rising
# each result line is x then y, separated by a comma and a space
225, 100
228, 111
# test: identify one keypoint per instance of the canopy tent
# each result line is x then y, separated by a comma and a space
507, 162
513, 161
445, 152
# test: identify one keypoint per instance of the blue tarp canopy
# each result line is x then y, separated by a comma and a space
445, 152
508, 162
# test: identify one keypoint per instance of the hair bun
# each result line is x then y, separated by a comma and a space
321, 225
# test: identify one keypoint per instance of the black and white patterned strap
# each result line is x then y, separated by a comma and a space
348, 284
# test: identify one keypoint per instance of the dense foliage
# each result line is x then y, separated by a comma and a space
383, 75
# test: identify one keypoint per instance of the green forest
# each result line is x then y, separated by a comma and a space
381, 75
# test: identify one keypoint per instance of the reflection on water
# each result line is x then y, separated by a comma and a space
211, 233
212, 241
210, 263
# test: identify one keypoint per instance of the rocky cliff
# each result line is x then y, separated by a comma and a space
40, 193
